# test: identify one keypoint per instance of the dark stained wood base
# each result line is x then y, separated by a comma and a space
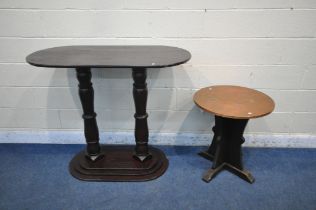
212, 172
225, 149
119, 164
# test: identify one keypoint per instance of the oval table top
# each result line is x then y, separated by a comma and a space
234, 101
107, 56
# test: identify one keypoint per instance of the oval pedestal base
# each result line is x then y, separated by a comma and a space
119, 164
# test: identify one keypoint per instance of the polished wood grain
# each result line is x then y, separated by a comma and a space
109, 56
234, 102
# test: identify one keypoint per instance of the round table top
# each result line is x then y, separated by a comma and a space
234, 102
118, 56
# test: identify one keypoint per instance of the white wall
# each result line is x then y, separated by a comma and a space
267, 45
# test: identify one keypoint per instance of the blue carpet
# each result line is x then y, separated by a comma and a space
34, 176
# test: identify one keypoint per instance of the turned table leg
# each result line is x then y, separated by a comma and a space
91, 131
141, 128
225, 150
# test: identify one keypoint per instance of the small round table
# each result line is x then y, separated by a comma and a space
232, 106
114, 163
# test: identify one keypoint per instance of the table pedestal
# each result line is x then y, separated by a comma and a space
225, 149
116, 163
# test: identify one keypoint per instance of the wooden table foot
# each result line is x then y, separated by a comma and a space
211, 173
206, 155
142, 158
244, 174
225, 149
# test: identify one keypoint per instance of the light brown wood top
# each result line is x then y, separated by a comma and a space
234, 101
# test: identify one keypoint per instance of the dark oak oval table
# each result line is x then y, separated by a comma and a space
113, 163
